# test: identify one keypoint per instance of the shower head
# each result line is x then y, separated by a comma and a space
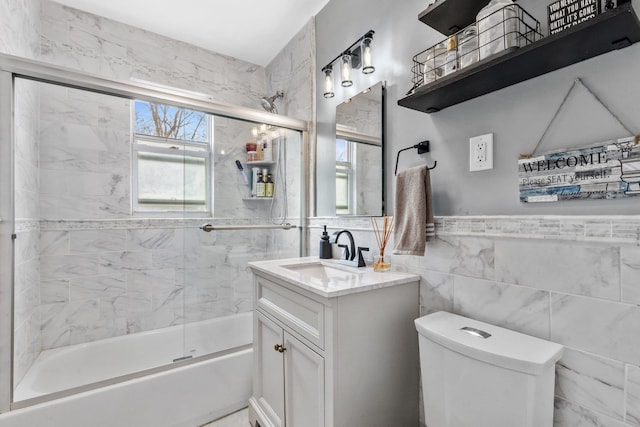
269, 103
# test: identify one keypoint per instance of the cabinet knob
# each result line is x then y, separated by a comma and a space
279, 348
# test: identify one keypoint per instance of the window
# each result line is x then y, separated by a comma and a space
171, 159
344, 176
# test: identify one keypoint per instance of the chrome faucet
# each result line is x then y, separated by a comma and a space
349, 252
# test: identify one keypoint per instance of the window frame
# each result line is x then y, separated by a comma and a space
204, 151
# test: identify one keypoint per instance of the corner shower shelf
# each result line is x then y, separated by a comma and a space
615, 29
260, 162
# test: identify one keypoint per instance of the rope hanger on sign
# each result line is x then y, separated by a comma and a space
577, 81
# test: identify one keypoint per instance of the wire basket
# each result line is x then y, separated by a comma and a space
502, 31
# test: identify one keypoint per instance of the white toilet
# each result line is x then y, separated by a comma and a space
480, 375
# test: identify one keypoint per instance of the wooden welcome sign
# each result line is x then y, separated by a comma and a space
610, 170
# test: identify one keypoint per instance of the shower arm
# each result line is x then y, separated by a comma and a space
209, 227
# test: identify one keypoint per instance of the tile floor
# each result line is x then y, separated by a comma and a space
237, 419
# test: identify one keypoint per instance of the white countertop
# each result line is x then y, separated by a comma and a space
353, 281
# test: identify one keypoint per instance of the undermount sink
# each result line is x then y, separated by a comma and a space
323, 272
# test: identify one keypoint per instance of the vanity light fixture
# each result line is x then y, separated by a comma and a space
345, 70
367, 56
328, 82
358, 55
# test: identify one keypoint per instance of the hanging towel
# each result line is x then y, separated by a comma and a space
413, 216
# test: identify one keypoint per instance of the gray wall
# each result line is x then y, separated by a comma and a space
517, 115
569, 278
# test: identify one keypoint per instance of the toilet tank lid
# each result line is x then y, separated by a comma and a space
503, 348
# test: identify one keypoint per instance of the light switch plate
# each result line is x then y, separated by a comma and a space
481, 152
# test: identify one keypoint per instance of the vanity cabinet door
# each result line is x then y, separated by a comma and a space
304, 384
269, 372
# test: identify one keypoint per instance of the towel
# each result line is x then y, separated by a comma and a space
413, 215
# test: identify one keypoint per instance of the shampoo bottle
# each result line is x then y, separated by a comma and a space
267, 149
325, 246
260, 186
268, 186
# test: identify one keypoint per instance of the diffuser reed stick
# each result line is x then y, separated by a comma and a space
382, 237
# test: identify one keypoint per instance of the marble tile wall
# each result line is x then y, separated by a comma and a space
105, 272
85, 160
26, 317
293, 71
575, 288
99, 283
20, 29
232, 194
99, 271
80, 40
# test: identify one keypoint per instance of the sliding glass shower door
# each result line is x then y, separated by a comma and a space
110, 258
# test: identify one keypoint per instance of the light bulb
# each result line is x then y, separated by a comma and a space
367, 57
345, 70
328, 83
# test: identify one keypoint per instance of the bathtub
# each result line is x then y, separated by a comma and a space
124, 381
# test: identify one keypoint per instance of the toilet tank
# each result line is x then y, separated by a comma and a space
479, 375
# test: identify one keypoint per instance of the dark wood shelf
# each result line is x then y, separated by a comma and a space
615, 29
450, 16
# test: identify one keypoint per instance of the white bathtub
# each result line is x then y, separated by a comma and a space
109, 390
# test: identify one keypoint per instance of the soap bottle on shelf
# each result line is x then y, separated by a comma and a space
268, 186
325, 246
451, 59
254, 181
259, 186
267, 150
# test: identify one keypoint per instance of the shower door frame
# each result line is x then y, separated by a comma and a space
12, 67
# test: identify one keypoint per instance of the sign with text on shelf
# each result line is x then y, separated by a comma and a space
565, 14
609, 170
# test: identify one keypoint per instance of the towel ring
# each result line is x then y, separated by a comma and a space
422, 147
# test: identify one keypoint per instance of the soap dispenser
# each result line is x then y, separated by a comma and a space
325, 246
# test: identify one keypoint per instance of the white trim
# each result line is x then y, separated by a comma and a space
354, 136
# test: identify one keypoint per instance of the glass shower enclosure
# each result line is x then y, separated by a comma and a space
111, 189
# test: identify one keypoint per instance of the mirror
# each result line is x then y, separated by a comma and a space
359, 154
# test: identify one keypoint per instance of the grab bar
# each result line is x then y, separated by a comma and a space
209, 227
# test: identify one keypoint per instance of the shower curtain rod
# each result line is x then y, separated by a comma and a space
210, 227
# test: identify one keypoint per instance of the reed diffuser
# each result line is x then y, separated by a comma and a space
382, 237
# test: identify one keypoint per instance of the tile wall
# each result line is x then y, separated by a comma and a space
105, 273
569, 279
85, 268
91, 43
292, 71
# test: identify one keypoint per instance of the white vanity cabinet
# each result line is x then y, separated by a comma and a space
287, 371
334, 358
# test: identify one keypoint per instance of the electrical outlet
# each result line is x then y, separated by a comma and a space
481, 152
